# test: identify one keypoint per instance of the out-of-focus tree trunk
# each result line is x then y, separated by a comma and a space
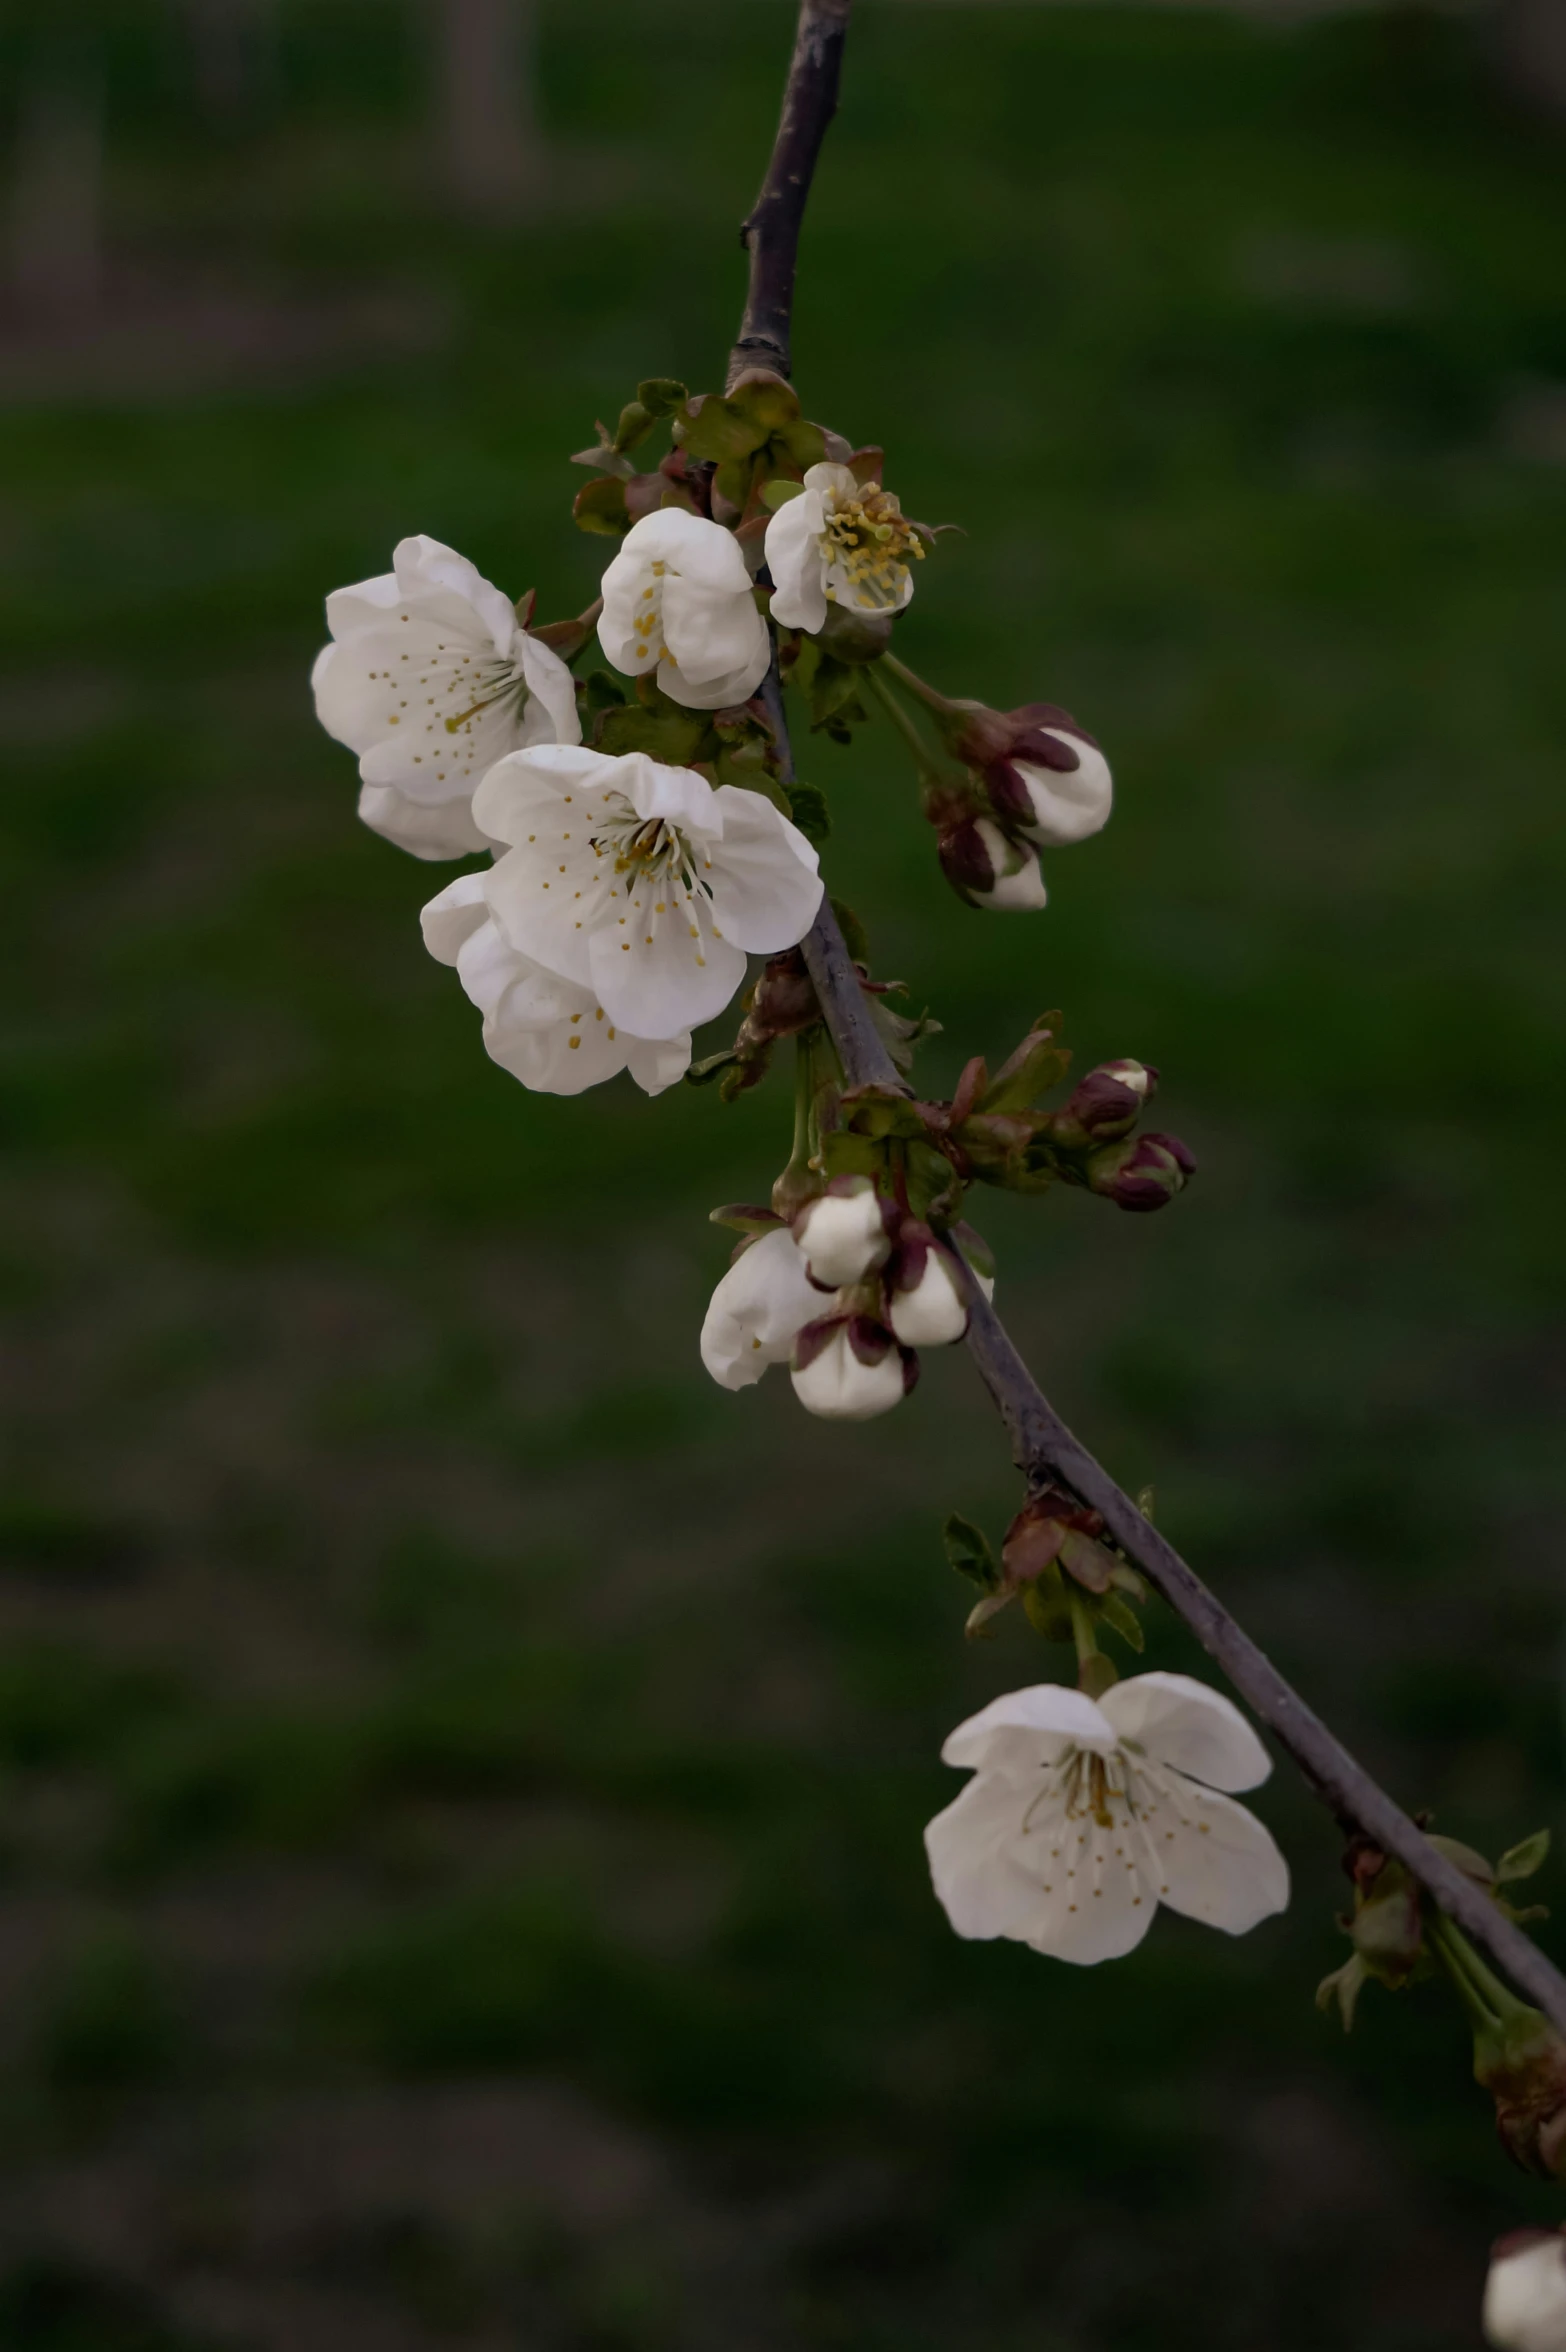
232, 45
1530, 46
488, 124
55, 200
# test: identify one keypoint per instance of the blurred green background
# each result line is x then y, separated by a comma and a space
461, 1774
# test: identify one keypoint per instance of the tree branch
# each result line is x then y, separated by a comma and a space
1043, 1448
771, 234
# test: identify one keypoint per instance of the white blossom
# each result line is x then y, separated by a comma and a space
430, 677
839, 542
1083, 1816
842, 1233
758, 1310
852, 1372
546, 1031
678, 603
640, 882
1067, 804
1525, 2293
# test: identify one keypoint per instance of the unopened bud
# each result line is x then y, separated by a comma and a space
849, 1368
1104, 1106
783, 1000
927, 1291
1525, 2293
1142, 1173
842, 1234
1523, 2067
990, 869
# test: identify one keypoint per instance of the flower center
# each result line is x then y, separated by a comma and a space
1095, 1784
648, 849
869, 539
497, 682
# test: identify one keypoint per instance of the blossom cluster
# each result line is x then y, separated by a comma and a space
845, 1294
642, 836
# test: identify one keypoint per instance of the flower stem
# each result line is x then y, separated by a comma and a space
921, 687
901, 720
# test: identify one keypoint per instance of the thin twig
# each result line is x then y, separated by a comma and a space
771, 234
1042, 1446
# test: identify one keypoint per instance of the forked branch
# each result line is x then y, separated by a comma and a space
1042, 1446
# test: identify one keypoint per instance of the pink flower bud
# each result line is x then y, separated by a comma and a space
1142, 1173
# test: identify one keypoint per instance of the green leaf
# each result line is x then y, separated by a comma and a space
1118, 1612
808, 808
600, 507
1049, 1612
664, 732
1039, 1063
1523, 1859
661, 395
711, 427
778, 492
704, 1073
968, 1551
636, 422
834, 685
741, 1216
803, 443
604, 691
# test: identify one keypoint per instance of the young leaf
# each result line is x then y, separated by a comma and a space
1119, 1613
1523, 1859
808, 808
968, 1551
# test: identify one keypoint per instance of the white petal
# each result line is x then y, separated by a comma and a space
1182, 1722
711, 633
934, 1313
794, 559
1103, 1905
1069, 804
1525, 2297
1212, 1859
766, 881
658, 1063
733, 686
1026, 1728
689, 546
864, 596
652, 976
453, 915
447, 831
757, 1311
837, 1386
536, 777
832, 480
678, 795
551, 715
842, 1235
425, 568
972, 1848
1019, 891
363, 606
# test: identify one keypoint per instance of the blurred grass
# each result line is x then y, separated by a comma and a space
421, 1688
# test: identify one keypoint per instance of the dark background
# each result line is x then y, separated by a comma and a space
462, 1772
